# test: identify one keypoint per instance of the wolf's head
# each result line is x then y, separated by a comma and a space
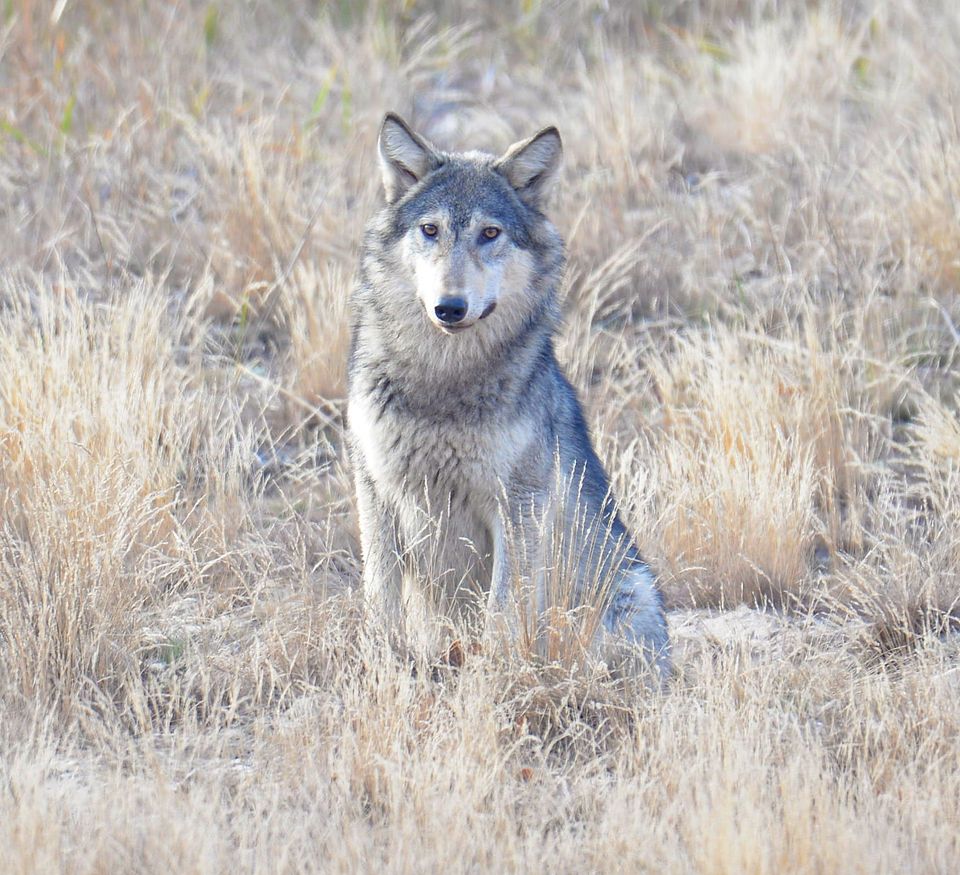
463, 235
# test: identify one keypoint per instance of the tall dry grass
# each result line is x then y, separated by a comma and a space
760, 200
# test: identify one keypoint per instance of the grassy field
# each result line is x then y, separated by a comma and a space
762, 205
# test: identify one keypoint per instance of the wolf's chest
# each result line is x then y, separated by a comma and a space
406, 454
435, 458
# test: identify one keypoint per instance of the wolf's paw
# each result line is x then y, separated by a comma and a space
501, 630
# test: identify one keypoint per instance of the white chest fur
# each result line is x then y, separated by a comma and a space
408, 458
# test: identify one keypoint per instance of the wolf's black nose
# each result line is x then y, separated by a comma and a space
451, 310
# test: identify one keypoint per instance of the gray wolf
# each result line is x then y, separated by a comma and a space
471, 455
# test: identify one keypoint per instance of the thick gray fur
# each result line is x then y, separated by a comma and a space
469, 445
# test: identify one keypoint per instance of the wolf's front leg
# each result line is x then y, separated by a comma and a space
501, 599
382, 562
500, 589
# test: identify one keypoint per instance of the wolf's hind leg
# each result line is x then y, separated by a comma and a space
634, 626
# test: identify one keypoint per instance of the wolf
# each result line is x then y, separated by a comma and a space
469, 446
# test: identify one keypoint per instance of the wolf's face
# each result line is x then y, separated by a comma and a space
463, 267
464, 227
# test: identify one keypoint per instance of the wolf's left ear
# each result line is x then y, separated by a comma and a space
405, 157
531, 166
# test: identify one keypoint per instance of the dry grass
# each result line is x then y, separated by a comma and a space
761, 200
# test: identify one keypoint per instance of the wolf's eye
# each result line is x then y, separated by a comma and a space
491, 233
429, 230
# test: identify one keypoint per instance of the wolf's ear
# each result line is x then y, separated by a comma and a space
531, 166
405, 157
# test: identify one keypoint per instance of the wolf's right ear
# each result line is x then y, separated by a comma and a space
531, 166
405, 157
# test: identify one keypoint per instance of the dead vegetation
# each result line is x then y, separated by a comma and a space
761, 203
